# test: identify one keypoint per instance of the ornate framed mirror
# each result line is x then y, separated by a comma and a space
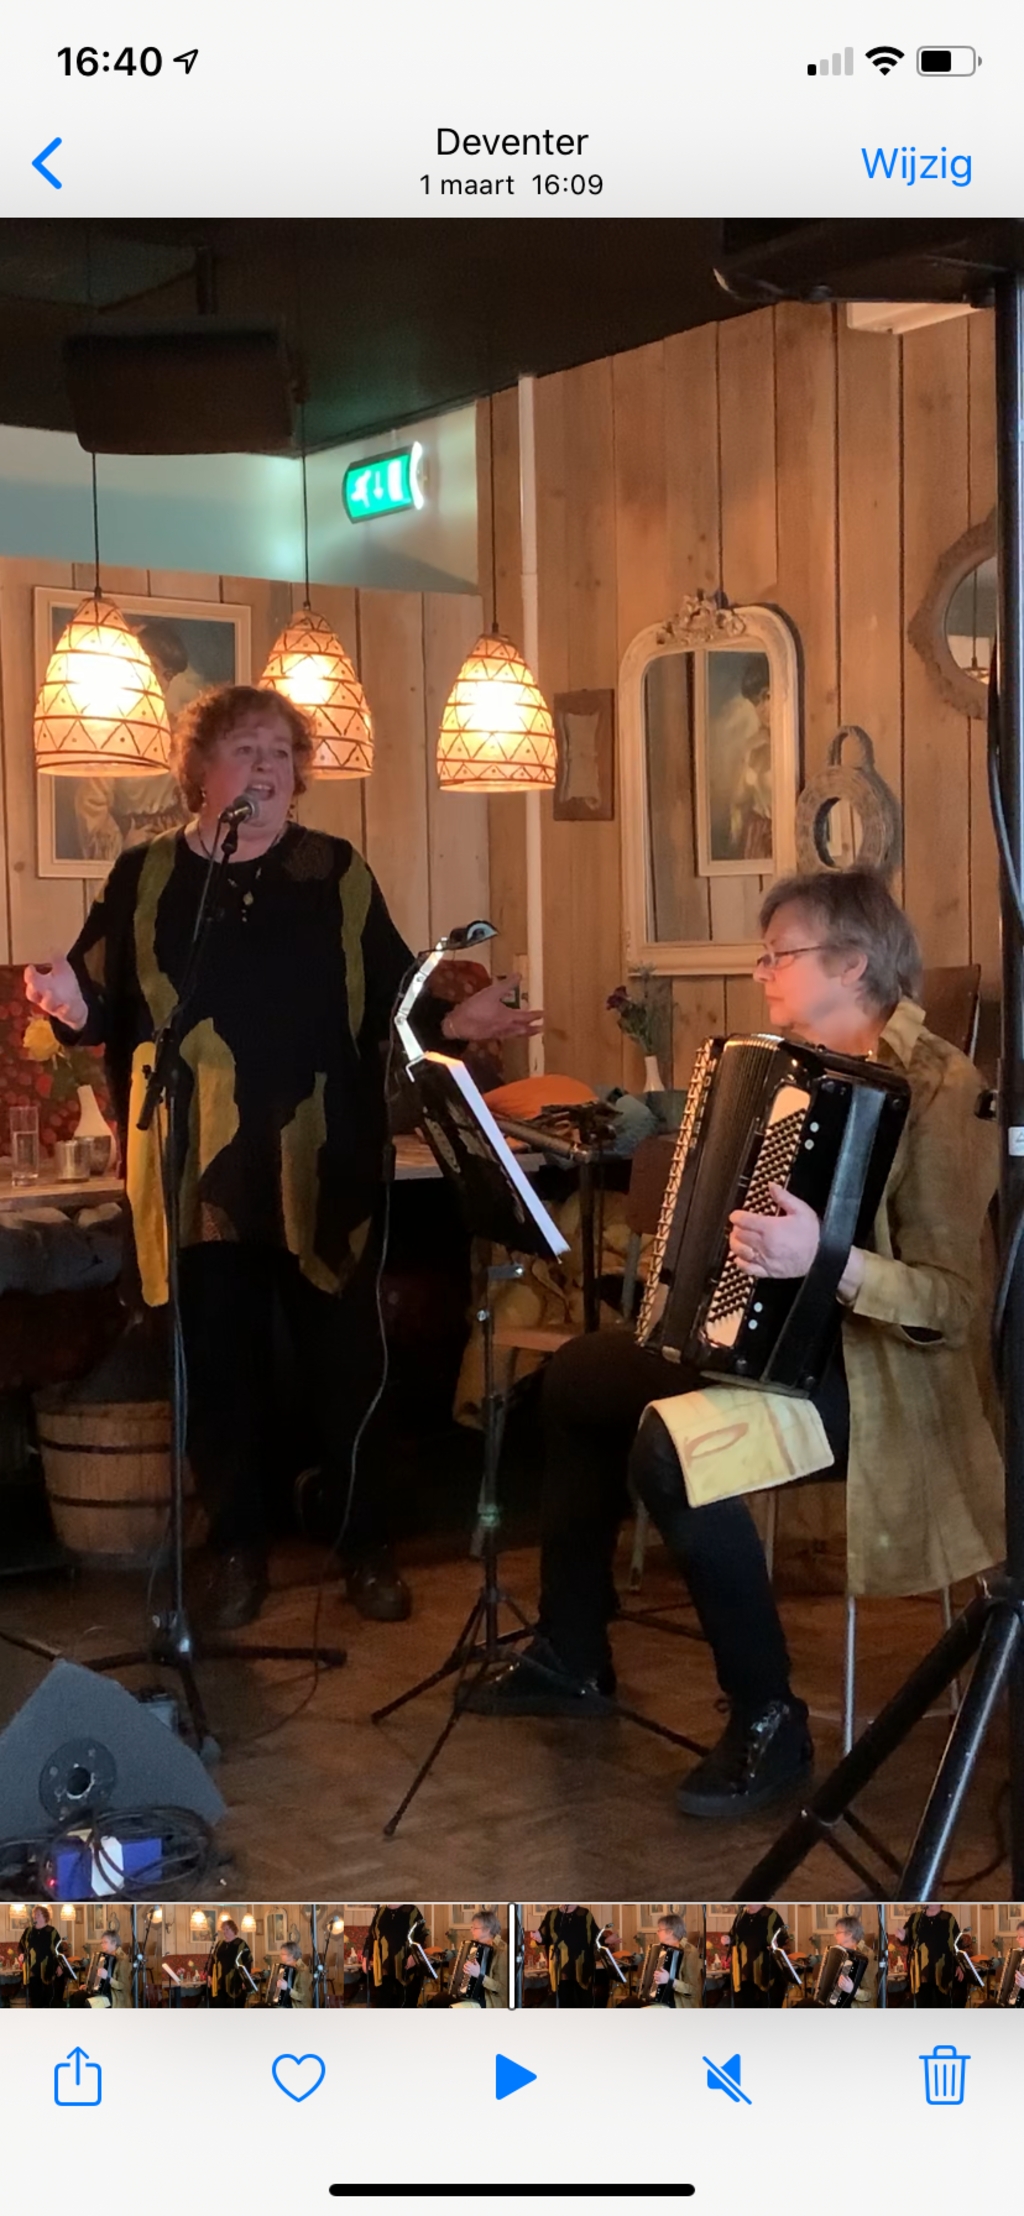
955, 626
709, 743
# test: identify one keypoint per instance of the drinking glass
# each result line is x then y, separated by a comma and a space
24, 1146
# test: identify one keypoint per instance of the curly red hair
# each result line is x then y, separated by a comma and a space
220, 709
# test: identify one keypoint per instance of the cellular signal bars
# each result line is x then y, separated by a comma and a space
841, 65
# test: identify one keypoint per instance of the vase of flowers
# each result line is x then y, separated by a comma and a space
72, 1070
636, 1019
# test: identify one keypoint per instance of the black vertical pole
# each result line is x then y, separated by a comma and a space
1010, 744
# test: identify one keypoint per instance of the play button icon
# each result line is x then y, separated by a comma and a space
510, 2077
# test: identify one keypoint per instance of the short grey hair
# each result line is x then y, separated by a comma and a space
857, 914
853, 1925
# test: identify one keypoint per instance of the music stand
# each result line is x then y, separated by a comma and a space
502, 1209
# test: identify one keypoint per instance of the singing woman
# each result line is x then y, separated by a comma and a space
394, 1971
42, 1962
228, 1973
930, 1936
282, 1092
568, 1935
900, 1404
760, 1978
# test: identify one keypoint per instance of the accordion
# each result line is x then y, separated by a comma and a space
762, 1111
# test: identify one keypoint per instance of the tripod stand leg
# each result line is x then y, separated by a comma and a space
458, 1659
457, 1710
999, 1651
821, 1815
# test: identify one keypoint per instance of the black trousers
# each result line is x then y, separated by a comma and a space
232, 1299
595, 1392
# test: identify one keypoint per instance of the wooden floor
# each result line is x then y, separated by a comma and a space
514, 1810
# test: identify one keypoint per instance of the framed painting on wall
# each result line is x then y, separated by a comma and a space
84, 823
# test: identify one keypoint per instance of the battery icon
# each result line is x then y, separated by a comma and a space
947, 61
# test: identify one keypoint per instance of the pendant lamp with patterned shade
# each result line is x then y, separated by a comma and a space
496, 732
310, 666
100, 710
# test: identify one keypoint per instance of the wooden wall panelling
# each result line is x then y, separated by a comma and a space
872, 624
693, 534
744, 1004
270, 602
594, 868
807, 583
396, 795
981, 460
750, 542
746, 402
694, 559
699, 1013
502, 598
456, 822
936, 744
643, 591
556, 493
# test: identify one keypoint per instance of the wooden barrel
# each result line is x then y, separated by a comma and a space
108, 1478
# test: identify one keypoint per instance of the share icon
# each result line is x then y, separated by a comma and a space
724, 2077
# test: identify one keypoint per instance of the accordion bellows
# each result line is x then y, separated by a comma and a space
760, 1111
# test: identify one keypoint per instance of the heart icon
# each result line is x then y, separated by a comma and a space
299, 2075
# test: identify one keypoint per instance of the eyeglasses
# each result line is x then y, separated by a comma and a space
767, 963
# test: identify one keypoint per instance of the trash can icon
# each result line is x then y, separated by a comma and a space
944, 2074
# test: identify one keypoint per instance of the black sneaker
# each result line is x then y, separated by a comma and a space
537, 1683
755, 1758
374, 1587
233, 1590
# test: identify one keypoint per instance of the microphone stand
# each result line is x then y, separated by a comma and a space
172, 1643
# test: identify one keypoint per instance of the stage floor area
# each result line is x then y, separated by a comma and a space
514, 1810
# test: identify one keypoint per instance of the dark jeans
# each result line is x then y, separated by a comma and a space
230, 1297
595, 1392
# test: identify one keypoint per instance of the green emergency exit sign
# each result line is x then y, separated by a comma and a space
384, 484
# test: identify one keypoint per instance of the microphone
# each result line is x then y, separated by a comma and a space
241, 810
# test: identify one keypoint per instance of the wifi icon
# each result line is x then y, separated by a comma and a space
884, 58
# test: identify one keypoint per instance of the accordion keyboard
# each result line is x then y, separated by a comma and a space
776, 1155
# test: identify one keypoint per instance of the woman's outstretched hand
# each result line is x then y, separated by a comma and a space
53, 987
485, 1016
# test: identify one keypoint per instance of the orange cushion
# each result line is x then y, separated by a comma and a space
529, 1096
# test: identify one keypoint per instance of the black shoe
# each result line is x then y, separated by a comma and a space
233, 1590
373, 1586
756, 1758
546, 1688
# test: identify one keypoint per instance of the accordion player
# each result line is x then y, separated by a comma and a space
761, 1111
791, 1257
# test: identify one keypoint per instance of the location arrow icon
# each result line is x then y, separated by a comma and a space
188, 59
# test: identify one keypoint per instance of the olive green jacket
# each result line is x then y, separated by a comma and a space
925, 1484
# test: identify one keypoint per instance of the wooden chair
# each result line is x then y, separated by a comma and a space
951, 999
